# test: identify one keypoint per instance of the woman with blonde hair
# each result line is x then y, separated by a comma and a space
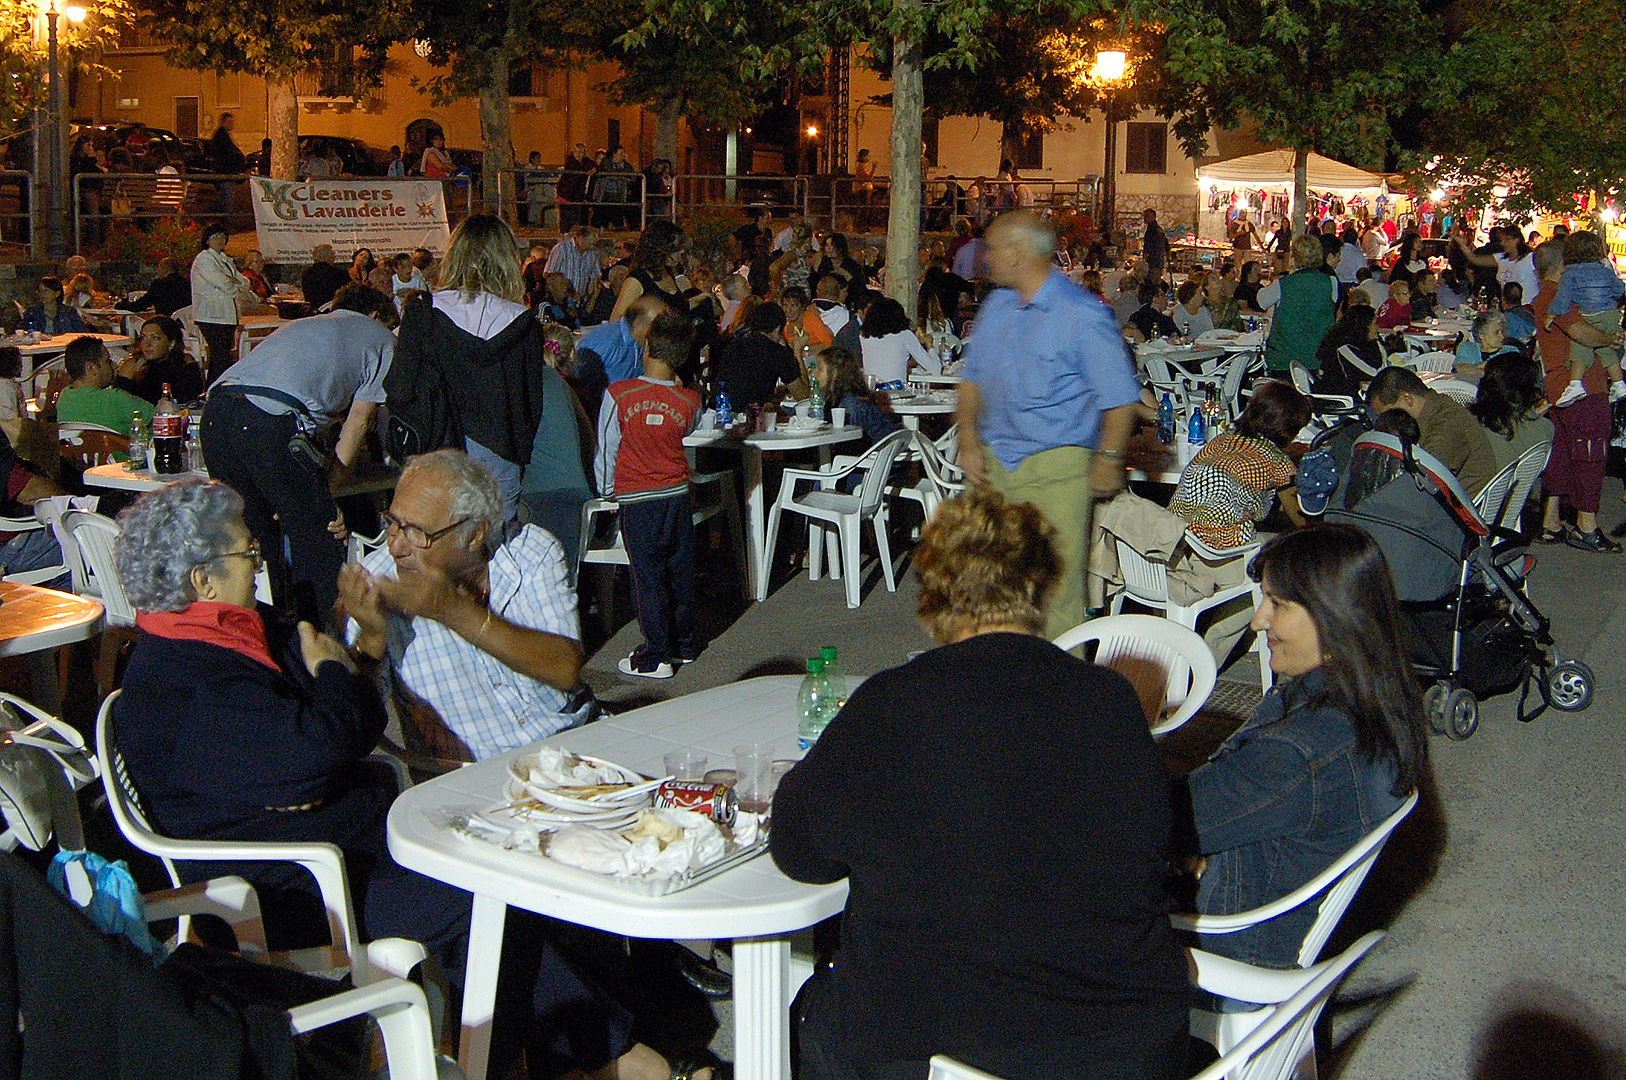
907, 795
476, 335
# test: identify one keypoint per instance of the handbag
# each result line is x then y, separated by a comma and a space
36, 760
302, 445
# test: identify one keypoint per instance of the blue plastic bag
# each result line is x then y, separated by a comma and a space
115, 903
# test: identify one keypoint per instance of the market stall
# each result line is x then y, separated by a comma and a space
1260, 186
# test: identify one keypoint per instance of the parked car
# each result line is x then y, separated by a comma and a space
191, 152
359, 158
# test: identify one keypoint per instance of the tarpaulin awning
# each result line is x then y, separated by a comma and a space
1274, 168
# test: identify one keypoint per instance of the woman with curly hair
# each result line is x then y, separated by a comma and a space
939, 953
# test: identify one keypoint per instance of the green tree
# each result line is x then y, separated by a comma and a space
1323, 76
276, 42
1528, 102
23, 87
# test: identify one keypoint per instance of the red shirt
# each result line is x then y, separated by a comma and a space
643, 425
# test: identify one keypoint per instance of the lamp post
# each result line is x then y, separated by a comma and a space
49, 159
1110, 65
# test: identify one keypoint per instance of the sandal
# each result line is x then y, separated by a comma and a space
685, 1070
1554, 536
1592, 541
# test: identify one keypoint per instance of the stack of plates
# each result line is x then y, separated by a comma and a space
600, 806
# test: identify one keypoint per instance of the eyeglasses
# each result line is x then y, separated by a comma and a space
416, 535
251, 553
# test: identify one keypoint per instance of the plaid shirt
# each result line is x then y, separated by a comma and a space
1230, 484
486, 704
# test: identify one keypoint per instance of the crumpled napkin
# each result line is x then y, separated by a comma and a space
559, 768
614, 855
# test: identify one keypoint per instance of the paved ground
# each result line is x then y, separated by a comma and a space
1501, 895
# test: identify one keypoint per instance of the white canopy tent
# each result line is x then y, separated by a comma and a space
1272, 171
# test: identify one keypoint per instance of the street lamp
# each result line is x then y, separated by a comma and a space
1110, 67
54, 177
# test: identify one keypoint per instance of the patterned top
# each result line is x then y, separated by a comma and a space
1229, 485
486, 704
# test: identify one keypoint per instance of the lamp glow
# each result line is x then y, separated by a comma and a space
812, 131
1110, 64
75, 13
1610, 215
1437, 194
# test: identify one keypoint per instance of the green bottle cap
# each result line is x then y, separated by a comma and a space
828, 653
815, 665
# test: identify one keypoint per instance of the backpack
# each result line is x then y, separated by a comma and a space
421, 413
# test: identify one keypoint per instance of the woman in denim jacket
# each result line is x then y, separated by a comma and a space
1331, 751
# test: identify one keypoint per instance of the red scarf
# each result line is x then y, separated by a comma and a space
227, 625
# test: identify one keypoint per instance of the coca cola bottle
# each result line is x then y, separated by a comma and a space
168, 436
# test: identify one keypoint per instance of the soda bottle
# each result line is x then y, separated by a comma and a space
168, 436
812, 704
725, 409
138, 442
835, 677
1165, 419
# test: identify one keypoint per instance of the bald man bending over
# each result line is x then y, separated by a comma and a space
1048, 398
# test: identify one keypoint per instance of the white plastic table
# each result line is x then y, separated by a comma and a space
928, 379
911, 409
120, 478
753, 904
752, 448
118, 346
34, 621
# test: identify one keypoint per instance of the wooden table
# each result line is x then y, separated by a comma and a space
753, 904
34, 621
752, 448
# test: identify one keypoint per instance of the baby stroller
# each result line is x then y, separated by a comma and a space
1471, 630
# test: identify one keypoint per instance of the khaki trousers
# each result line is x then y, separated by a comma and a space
1057, 482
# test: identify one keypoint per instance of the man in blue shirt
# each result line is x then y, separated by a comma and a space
1048, 398
614, 351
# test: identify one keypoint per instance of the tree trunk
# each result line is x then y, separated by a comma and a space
667, 122
1301, 189
282, 127
903, 221
496, 133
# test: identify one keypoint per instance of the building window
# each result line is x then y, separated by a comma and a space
525, 80
1146, 148
928, 135
1027, 151
613, 135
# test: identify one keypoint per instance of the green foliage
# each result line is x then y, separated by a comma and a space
277, 40
1529, 96
710, 230
170, 237
23, 54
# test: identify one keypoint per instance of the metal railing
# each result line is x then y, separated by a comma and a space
862, 205
530, 197
778, 195
19, 213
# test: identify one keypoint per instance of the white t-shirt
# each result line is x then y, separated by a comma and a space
1520, 269
1272, 293
887, 358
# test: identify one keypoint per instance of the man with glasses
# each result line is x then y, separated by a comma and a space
257, 431
474, 615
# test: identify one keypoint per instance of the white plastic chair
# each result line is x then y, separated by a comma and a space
94, 535
1146, 582
1326, 405
1438, 361
357, 547
44, 574
192, 337
1336, 886
325, 862
942, 479
846, 512
711, 494
1353, 359
1127, 643
1463, 393
1500, 503
1273, 1050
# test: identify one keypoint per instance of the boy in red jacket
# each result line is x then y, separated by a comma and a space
641, 464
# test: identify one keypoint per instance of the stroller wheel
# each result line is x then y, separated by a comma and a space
1569, 686
1461, 711
1434, 706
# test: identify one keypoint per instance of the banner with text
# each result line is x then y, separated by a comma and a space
387, 216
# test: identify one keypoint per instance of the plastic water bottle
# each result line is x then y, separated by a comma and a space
835, 677
1165, 419
725, 409
138, 442
812, 704
815, 398
1197, 429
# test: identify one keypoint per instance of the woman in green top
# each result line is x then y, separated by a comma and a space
1306, 302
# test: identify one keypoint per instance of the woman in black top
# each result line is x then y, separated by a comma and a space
656, 262
998, 808
1358, 329
1247, 288
757, 362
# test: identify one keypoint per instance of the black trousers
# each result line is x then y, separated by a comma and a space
660, 548
221, 341
247, 448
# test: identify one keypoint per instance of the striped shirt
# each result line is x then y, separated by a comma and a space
581, 267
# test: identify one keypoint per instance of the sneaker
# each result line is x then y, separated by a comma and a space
1572, 393
630, 665
1592, 541
689, 655
1617, 390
